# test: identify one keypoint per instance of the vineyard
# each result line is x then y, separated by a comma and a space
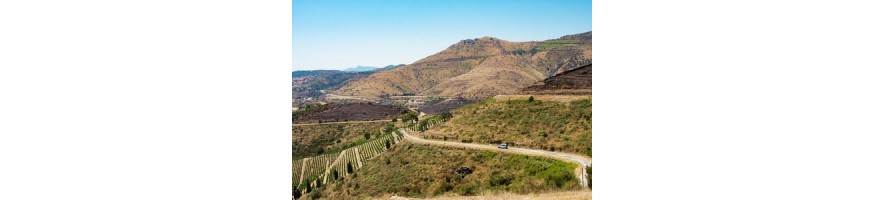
428, 122
312, 172
319, 139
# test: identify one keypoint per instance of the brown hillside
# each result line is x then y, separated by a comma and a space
575, 81
478, 68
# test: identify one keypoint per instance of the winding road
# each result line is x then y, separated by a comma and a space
582, 161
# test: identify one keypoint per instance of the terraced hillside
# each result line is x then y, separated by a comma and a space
478, 68
554, 122
314, 172
415, 170
317, 139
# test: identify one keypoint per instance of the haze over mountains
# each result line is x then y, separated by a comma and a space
370, 68
360, 69
311, 83
478, 68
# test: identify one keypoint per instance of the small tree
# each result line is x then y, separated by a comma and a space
349, 168
366, 135
394, 119
296, 192
446, 115
531, 98
335, 174
389, 128
387, 144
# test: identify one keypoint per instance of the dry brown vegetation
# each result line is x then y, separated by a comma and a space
415, 170
569, 195
479, 68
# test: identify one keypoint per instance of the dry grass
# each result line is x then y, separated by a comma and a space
416, 170
554, 98
570, 195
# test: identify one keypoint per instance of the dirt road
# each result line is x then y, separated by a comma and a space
582, 161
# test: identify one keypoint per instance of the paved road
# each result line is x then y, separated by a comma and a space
582, 161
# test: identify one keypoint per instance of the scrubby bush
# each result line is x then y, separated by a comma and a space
499, 179
468, 189
427, 171
316, 194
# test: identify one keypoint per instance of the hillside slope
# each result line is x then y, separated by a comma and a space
575, 81
416, 170
554, 123
309, 83
477, 68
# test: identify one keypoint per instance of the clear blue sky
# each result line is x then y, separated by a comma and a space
334, 34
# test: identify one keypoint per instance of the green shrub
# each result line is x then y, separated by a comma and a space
316, 194
499, 179
468, 189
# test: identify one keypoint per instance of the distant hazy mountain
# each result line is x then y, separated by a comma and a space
309, 83
360, 69
389, 67
477, 68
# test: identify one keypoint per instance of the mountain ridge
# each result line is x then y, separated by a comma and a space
478, 68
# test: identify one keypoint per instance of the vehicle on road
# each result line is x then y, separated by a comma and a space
502, 146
